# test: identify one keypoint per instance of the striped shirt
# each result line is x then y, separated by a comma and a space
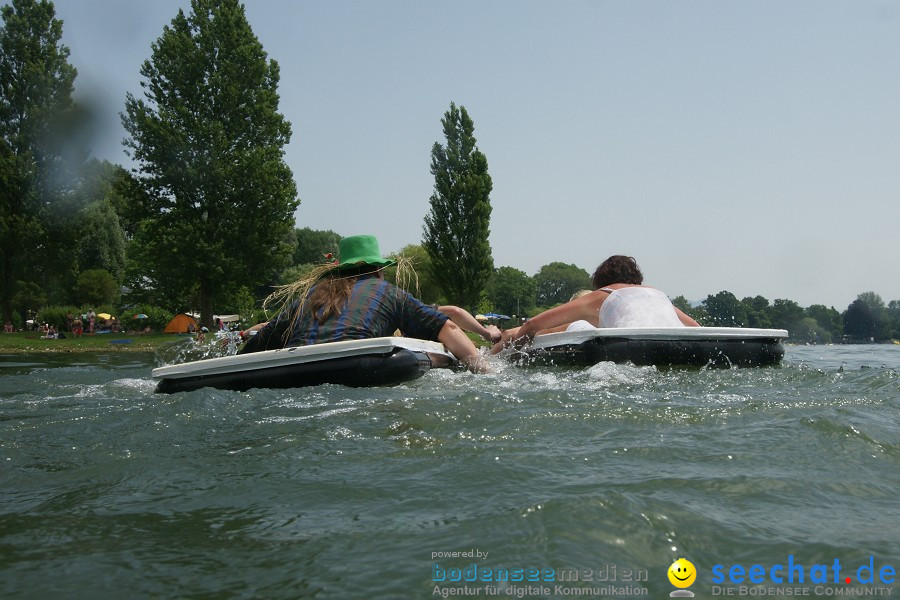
376, 308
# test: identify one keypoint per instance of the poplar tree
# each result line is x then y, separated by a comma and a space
209, 141
458, 225
36, 80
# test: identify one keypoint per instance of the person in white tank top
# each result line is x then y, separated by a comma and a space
638, 306
619, 300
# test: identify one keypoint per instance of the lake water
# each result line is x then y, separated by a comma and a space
108, 490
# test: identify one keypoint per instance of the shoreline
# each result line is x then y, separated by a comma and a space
31, 343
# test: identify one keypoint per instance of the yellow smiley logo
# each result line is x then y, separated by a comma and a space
682, 573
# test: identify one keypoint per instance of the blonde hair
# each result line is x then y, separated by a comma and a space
579, 294
333, 287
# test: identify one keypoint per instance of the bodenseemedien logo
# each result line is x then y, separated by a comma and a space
682, 575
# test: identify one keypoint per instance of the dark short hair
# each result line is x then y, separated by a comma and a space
617, 269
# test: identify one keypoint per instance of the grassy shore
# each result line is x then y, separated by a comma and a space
30, 341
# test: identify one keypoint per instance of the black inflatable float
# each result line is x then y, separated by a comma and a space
665, 346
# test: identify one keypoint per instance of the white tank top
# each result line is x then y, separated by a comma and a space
638, 307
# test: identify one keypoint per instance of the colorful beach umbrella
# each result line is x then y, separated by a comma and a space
104, 315
140, 316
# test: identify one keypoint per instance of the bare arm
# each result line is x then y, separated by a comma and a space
585, 308
247, 332
464, 319
459, 344
686, 320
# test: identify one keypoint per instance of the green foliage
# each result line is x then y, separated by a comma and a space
807, 329
96, 286
238, 301
423, 285
57, 316
157, 317
209, 142
28, 297
893, 316
829, 320
785, 314
512, 292
37, 83
313, 245
867, 318
124, 192
695, 312
484, 306
724, 310
101, 244
457, 227
556, 282
757, 310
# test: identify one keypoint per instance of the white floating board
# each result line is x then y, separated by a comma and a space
296, 356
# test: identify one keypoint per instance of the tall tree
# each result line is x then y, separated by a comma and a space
867, 318
512, 292
827, 318
314, 244
557, 281
725, 310
757, 310
457, 227
893, 315
210, 144
785, 314
37, 82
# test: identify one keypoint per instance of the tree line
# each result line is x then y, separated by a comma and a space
204, 220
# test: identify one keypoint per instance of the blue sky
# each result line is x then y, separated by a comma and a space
749, 146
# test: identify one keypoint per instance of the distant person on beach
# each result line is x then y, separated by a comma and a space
619, 299
350, 300
77, 327
8, 328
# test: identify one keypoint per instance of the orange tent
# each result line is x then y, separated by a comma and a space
180, 324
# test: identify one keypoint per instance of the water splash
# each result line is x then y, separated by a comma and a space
221, 343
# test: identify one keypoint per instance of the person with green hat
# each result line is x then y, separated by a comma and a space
348, 299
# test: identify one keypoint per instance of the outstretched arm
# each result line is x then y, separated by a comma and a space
464, 319
584, 308
459, 344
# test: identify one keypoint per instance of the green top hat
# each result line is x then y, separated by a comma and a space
358, 250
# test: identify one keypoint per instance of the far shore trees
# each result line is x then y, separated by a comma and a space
458, 225
209, 142
511, 291
557, 281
